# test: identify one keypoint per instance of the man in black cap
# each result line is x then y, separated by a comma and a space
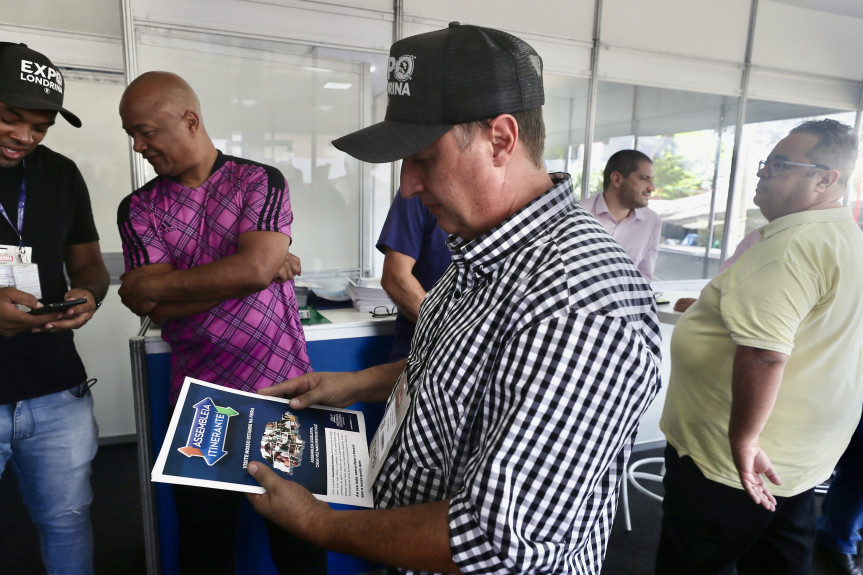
534, 357
47, 429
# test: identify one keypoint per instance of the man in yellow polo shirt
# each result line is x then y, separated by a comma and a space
765, 388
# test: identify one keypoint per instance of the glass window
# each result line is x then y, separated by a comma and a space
282, 104
687, 135
565, 116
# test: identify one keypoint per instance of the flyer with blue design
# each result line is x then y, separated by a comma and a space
216, 431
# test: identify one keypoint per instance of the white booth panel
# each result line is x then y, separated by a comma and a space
696, 28
648, 430
101, 17
67, 49
803, 90
551, 18
327, 5
669, 71
103, 345
808, 41
559, 56
316, 23
567, 58
99, 147
565, 113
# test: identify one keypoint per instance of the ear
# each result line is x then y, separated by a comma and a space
503, 131
615, 179
191, 120
826, 180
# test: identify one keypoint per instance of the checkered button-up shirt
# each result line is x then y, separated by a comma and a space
534, 359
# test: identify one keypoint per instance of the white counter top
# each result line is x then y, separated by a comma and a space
347, 323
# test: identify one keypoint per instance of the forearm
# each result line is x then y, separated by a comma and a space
88, 277
174, 310
376, 383
414, 537
401, 285
228, 278
407, 293
338, 389
756, 380
92, 278
258, 261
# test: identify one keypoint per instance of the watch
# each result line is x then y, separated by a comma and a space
96, 299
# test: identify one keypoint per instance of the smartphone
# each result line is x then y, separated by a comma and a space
57, 307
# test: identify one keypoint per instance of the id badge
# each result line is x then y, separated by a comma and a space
394, 416
18, 271
16, 255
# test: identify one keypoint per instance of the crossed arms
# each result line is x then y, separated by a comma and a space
163, 293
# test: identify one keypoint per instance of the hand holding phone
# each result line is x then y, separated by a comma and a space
57, 306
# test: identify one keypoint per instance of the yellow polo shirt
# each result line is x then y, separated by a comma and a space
798, 291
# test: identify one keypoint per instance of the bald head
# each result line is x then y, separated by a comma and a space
162, 114
161, 91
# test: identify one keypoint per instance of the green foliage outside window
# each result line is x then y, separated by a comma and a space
672, 180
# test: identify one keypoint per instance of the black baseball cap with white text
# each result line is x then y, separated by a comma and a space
438, 79
28, 80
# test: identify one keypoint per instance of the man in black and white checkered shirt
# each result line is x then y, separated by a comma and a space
534, 357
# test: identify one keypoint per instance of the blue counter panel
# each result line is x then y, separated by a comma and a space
253, 556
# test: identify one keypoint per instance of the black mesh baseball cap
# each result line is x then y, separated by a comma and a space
28, 80
446, 77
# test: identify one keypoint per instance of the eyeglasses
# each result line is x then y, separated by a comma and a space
384, 311
774, 167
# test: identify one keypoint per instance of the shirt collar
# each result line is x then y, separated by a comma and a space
221, 160
805, 217
486, 253
602, 208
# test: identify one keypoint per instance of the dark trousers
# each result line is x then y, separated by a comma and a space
842, 508
207, 521
709, 528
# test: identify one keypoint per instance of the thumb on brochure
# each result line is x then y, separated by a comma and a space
261, 474
264, 503
267, 479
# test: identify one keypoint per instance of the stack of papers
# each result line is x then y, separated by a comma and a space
367, 294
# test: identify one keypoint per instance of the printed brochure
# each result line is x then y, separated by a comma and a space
215, 432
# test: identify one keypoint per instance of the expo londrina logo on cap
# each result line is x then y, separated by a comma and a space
41, 74
400, 71
30, 81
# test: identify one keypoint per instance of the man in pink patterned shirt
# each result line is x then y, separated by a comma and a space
206, 251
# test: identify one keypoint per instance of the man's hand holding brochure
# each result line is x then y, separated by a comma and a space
216, 433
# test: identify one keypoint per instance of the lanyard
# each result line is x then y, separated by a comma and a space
22, 195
